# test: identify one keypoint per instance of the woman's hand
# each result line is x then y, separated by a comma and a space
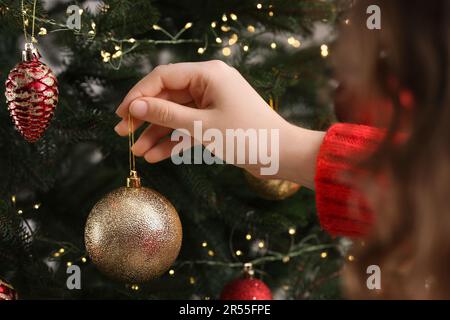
174, 96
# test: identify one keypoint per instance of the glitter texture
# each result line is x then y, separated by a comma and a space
133, 234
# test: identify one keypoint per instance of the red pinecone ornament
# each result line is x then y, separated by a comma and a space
31, 95
7, 292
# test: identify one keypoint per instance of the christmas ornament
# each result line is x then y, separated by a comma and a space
271, 189
246, 288
31, 95
134, 233
7, 292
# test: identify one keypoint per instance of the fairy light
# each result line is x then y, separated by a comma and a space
201, 50
233, 39
271, 13
62, 250
93, 25
261, 244
20, 211
324, 50
80, 11
13, 199
224, 18
226, 51
259, 6
351, 258
294, 42
117, 54
69, 263
273, 45
323, 255
192, 280
238, 253
56, 254
171, 272
83, 259
42, 31
106, 56
286, 259
210, 253
36, 206
131, 40
225, 28
156, 27
233, 16
213, 24
347, 21
188, 25
248, 236
134, 287
204, 244
250, 28
218, 40
117, 47
291, 231
207, 298
246, 49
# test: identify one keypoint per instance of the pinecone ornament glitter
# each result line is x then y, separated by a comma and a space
31, 95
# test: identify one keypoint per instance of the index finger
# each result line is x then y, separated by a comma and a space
165, 77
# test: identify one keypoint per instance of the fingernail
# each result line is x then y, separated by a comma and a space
138, 108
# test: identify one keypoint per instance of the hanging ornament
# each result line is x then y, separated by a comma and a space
134, 233
271, 189
246, 287
31, 91
7, 292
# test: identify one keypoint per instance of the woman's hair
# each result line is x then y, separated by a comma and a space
398, 78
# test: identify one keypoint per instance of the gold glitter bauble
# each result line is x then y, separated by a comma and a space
133, 234
271, 189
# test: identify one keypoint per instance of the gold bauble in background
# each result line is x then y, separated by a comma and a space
271, 189
133, 234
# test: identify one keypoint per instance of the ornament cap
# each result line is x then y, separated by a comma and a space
30, 52
133, 181
248, 270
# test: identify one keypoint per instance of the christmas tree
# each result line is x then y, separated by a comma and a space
48, 188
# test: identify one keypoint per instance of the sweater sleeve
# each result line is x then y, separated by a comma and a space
342, 209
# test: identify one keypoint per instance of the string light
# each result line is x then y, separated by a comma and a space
218, 40
323, 255
201, 50
286, 259
273, 45
324, 50
204, 244
42, 31
13, 199
261, 244
271, 13
224, 18
188, 25
213, 24
83, 259
156, 27
233, 39
233, 16
117, 54
192, 280
347, 21
226, 51
291, 231
225, 28
36, 206
210, 253
246, 49
62, 250
106, 56
171, 272
248, 236
69, 263
250, 28
259, 6
134, 287
238, 253
131, 40
351, 258
20, 211
56, 254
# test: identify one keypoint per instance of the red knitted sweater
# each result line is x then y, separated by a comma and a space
341, 208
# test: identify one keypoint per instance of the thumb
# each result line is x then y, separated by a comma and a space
165, 113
